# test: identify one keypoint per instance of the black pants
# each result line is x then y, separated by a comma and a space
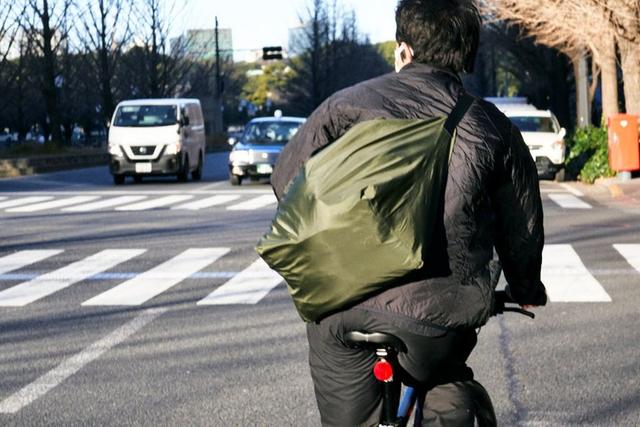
348, 394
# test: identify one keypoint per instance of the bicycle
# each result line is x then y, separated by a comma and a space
397, 410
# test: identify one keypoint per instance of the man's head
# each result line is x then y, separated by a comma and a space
442, 33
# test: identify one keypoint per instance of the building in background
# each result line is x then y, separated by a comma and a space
201, 44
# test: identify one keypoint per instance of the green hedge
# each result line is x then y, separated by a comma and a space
589, 155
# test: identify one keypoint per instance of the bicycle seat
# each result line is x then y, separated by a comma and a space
374, 340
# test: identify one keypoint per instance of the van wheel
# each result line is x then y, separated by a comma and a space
118, 179
235, 179
559, 176
183, 176
137, 178
196, 175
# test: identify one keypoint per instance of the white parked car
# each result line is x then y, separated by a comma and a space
157, 137
541, 132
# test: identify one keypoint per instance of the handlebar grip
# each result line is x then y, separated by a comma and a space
501, 299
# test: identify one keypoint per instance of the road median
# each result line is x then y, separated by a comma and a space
19, 166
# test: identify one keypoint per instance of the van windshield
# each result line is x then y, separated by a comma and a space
279, 132
534, 124
146, 115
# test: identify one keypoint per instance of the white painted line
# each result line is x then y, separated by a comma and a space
160, 278
566, 277
69, 367
23, 201
3, 198
207, 203
47, 284
256, 203
572, 190
23, 258
248, 287
631, 253
569, 201
101, 204
155, 203
53, 204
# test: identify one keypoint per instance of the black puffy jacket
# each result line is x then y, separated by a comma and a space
492, 197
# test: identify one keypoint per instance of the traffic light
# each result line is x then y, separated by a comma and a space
271, 52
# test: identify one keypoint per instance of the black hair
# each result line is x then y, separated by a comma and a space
442, 33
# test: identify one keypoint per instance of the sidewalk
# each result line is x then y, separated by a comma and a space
619, 189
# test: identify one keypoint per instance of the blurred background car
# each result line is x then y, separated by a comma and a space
541, 132
256, 151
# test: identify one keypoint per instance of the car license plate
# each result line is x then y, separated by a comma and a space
143, 167
264, 169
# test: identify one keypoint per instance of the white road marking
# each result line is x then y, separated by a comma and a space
631, 253
3, 198
566, 277
569, 201
256, 203
23, 201
153, 282
207, 202
53, 204
155, 203
101, 204
248, 287
572, 190
23, 258
47, 284
69, 367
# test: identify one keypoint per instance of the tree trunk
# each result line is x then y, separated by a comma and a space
583, 103
630, 59
606, 58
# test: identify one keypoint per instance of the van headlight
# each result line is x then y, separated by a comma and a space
115, 150
239, 156
173, 148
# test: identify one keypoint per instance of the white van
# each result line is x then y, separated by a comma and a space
157, 137
541, 132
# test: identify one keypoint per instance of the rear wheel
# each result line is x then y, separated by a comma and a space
235, 179
118, 179
196, 175
183, 176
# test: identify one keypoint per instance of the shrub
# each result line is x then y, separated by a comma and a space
589, 156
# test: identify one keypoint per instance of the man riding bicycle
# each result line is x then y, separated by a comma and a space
492, 200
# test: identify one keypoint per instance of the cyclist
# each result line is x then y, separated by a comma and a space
492, 199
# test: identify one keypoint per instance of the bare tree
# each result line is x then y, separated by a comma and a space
9, 26
105, 29
45, 24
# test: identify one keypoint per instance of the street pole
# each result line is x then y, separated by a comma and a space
583, 107
217, 95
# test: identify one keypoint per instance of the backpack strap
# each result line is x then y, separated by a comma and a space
458, 112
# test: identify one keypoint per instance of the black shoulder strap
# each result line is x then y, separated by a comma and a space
458, 112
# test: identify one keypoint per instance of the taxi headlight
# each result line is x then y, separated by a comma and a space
173, 148
239, 156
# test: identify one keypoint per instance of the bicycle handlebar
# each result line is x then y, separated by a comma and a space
500, 307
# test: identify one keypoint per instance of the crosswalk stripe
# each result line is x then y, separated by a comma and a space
255, 203
159, 279
53, 204
23, 201
248, 287
155, 203
631, 253
101, 204
207, 202
47, 284
566, 277
3, 198
23, 258
569, 201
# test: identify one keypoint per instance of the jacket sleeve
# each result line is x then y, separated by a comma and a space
326, 124
520, 229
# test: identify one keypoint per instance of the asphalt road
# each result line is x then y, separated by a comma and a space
145, 304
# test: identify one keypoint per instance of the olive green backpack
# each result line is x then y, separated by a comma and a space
360, 215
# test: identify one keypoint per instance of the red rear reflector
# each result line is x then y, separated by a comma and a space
383, 371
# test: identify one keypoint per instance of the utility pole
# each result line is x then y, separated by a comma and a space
217, 95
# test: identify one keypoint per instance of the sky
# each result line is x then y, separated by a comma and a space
259, 23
